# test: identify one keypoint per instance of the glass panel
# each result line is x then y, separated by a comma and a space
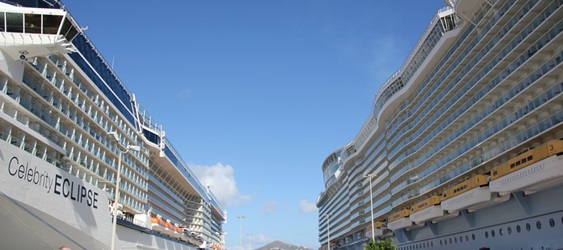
51, 24
66, 26
71, 33
2, 19
33, 23
14, 22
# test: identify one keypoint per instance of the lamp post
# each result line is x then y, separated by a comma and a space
370, 176
248, 235
328, 230
115, 138
241, 218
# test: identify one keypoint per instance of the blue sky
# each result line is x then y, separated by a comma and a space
255, 94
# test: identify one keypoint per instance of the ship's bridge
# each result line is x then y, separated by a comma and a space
31, 32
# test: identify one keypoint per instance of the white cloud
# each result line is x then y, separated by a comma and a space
307, 206
221, 180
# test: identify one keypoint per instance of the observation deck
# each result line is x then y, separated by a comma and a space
31, 32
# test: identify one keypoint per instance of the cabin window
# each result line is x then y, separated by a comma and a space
512, 165
33, 23
518, 163
14, 22
68, 30
2, 19
51, 24
531, 157
524, 160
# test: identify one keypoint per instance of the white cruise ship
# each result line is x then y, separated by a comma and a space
464, 147
70, 133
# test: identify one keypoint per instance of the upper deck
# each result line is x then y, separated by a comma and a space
31, 32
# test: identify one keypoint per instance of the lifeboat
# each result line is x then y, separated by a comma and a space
177, 232
157, 224
185, 234
379, 228
168, 228
193, 238
471, 194
533, 170
426, 210
399, 220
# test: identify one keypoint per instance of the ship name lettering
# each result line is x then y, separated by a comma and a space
76, 192
31, 175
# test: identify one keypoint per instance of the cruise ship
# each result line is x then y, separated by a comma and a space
463, 147
83, 165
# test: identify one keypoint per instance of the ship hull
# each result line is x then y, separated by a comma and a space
39, 211
539, 218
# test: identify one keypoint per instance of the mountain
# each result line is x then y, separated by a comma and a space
278, 245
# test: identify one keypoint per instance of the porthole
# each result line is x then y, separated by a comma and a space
528, 227
440, 242
460, 238
466, 237
487, 234
473, 236
518, 229
551, 222
509, 230
538, 225
450, 241
455, 240
500, 232
492, 233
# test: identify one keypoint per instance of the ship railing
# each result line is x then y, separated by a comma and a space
147, 121
366, 130
189, 175
407, 62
